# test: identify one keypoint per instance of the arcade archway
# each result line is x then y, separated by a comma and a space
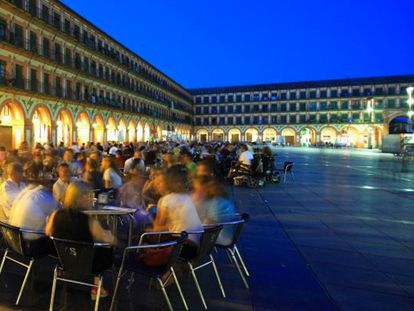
289, 136
328, 135
83, 128
111, 135
64, 126
131, 131
218, 135
98, 129
121, 134
41, 121
234, 135
11, 125
307, 137
269, 134
251, 135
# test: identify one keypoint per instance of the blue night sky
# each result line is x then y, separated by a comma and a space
229, 42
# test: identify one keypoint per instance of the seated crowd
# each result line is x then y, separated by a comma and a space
173, 187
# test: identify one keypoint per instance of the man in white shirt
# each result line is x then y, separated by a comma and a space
135, 160
246, 157
31, 209
59, 187
113, 149
10, 189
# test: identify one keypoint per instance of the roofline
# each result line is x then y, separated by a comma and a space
98, 29
304, 84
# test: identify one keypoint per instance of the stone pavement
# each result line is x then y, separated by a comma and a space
338, 237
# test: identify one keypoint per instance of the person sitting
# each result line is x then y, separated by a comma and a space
245, 157
151, 191
10, 189
119, 158
72, 224
92, 175
59, 187
30, 211
74, 166
213, 205
176, 211
33, 169
205, 168
111, 175
136, 161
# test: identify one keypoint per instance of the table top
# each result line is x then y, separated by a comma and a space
111, 210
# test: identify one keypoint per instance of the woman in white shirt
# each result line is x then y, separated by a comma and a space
111, 175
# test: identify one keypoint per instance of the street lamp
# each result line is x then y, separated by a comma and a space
410, 101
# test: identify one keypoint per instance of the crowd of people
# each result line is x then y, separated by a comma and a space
172, 186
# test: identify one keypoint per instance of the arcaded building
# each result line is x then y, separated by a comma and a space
62, 79
352, 112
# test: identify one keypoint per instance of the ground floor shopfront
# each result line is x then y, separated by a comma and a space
353, 135
37, 121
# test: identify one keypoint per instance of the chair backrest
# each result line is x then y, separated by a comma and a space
208, 239
77, 257
237, 228
287, 166
13, 238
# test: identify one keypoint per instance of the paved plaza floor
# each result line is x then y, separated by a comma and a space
338, 237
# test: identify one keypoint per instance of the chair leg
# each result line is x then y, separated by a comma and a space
98, 294
29, 268
118, 279
200, 293
217, 276
241, 260
179, 288
3, 260
165, 294
52, 296
236, 263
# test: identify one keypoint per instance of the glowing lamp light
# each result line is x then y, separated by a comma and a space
59, 123
410, 114
7, 119
410, 90
94, 125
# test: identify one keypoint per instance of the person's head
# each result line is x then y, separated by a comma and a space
168, 157
243, 147
68, 155
63, 171
78, 196
186, 156
15, 172
205, 168
267, 151
94, 156
108, 162
137, 154
38, 159
91, 165
174, 180
118, 154
207, 187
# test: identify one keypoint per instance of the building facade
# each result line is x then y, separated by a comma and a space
64, 80
352, 112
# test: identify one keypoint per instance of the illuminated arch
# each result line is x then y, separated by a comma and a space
111, 134
289, 136
269, 134
328, 135
131, 131
251, 134
217, 134
42, 124
64, 127
234, 135
98, 129
147, 133
83, 128
12, 116
140, 132
122, 131
202, 135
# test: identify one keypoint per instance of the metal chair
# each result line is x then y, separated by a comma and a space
231, 247
17, 246
287, 170
208, 238
78, 260
168, 242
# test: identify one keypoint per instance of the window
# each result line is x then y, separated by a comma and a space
265, 108
292, 95
205, 110
33, 80
214, 110
391, 90
56, 20
33, 42
45, 13
238, 98
238, 120
302, 106
283, 119
58, 53
214, 99
256, 97
292, 107
256, 120
302, 118
333, 106
46, 48
323, 118
334, 93
32, 7
273, 108
213, 121
198, 100
230, 98
19, 76
222, 98
367, 91
333, 118
68, 89
206, 100
323, 94
222, 109
76, 32
355, 105
230, 120
46, 84
198, 110
86, 65
247, 108
323, 106
356, 93
344, 105
198, 121
18, 36
247, 97
302, 95
283, 96
238, 109
345, 93
78, 61
58, 85
283, 107
355, 117
66, 26
256, 108
391, 103
265, 97
68, 57
312, 106
221, 120
247, 120
379, 91
230, 109
312, 118
312, 94
273, 120
378, 117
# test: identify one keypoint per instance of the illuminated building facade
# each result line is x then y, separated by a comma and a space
64, 80
346, 112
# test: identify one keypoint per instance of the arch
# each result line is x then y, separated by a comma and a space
328, 135
122, 131
131, 131
202, 135
64, 127
159, 133
269, 134
98, 129
400, 124
350, 136
11, 124
218, 134
140, 132
251, 134
111, 135
146, 132
42, 124
307, 136
288, 136
234, 135
153, 132
83, 128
